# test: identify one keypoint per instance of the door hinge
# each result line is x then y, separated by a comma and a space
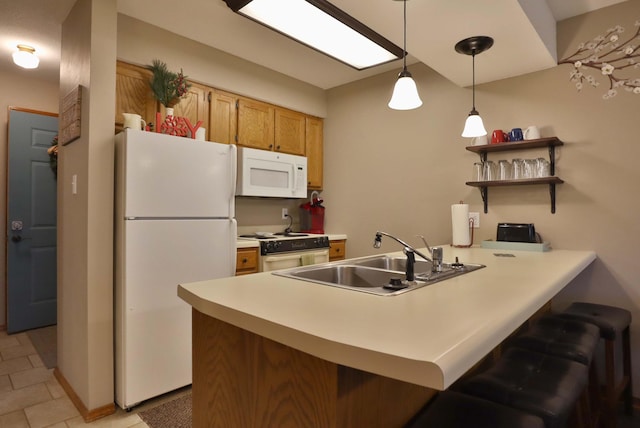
237, 104
209, 96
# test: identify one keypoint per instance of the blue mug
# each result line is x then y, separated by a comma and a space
516, 134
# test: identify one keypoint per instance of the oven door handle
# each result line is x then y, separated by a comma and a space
295, 256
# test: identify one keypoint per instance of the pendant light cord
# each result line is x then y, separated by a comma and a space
404, 51
473, 73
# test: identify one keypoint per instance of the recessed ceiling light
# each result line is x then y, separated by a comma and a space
26, 57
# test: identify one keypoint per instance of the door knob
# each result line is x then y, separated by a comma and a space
16, 238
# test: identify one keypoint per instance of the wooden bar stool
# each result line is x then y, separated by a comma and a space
613, 322
455, 410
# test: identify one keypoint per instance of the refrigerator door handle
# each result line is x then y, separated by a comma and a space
234, 172
233, 245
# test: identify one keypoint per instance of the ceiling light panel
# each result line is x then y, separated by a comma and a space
322, 26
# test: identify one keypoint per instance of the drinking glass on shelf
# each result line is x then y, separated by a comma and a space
543, 168
504, 170
517, 169
489, 171
530, 167
477, 172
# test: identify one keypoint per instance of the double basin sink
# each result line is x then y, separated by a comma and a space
375, 274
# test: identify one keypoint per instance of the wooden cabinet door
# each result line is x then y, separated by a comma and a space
194, 106
246, 261
133, 93
255, 124
337, 250
223, 118
315, 160
289, 132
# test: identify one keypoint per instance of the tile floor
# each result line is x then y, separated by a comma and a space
31, 397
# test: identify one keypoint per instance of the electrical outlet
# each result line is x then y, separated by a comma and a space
476, 219
285, 213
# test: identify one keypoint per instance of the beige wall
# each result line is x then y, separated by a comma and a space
400, 171
22, 92
85, 219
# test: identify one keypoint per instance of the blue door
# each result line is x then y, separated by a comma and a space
31, 222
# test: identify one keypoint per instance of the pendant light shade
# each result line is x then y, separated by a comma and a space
474, 127
405, 92
25, 57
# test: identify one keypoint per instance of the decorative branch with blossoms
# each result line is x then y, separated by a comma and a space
609, 55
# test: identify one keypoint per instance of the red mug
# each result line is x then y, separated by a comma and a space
499, 136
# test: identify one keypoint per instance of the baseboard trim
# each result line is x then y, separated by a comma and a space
87, 415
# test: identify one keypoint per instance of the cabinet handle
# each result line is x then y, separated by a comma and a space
270, 146
337, 250
245, 260
277, 147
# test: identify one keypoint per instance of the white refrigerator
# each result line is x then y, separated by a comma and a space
174, 222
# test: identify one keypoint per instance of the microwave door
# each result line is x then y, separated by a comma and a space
265, 178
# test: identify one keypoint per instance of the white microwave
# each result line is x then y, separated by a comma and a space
271, 174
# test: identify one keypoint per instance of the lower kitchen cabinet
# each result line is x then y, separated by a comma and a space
246, 261
337, 250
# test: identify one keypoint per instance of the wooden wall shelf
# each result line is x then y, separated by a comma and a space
551, 143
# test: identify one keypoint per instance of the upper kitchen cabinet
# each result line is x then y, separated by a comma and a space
289, 132
223, 120
133, 93
194, 106
255, 124
314, 152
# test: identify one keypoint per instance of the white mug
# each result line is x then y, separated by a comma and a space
479, 141
532, 133
134, 121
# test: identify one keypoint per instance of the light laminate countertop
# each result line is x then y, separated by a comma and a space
430, 336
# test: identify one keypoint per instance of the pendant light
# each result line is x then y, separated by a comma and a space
474, 127
405, 93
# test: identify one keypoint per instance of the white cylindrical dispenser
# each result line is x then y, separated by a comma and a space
461, 234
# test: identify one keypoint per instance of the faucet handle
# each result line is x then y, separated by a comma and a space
426, 244
436, 255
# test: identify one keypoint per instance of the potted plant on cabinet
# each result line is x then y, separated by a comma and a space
167, 87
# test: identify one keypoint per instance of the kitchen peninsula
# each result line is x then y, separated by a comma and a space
273, 351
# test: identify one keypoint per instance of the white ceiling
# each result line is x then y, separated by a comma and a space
524, 33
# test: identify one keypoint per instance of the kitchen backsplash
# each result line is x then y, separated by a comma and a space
267, 211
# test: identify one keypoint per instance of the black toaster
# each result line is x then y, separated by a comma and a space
516, 232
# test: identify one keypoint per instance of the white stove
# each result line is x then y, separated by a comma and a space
283, 251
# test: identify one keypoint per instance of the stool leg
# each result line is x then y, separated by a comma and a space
595, 399
610, 401
626, 356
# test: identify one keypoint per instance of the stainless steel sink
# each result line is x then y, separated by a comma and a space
393, 263
348, 275
374, 274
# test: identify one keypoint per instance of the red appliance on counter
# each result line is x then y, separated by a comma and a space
312, 215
